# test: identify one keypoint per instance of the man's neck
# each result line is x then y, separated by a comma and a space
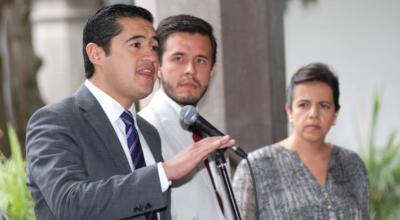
124, 102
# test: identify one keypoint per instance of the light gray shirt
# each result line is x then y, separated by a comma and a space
286, 189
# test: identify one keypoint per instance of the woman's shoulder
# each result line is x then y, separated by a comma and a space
262, 159
266, 152
348, 159
345, 153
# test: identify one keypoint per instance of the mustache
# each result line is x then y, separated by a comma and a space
147, 65
192, 80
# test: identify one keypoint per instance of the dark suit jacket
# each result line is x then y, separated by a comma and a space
76, 168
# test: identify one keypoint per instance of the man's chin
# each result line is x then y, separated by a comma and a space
142, 94
186, 100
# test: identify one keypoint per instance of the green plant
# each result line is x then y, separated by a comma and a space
15, 198
383, 165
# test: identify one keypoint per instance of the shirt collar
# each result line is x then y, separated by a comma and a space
109, 105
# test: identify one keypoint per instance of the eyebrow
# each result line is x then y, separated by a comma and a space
182, 54
326, 102
203, 56
319, 102
302, 100
178, 54
134, 37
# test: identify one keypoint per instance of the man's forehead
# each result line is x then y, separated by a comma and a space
182, 42
135, 22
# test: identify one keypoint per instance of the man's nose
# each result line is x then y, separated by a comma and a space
190, 68
151, 55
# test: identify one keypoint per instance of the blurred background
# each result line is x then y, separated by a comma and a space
261, 44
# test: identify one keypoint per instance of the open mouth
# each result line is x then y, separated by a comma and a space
147, 72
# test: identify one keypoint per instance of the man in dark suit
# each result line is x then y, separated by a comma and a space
90, 156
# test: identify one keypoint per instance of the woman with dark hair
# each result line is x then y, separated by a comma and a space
303, 176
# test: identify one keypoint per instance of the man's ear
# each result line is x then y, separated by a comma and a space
95, 53
212, 70
159, 74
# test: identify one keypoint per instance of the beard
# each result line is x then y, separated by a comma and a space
183, 100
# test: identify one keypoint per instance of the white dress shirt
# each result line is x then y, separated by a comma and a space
113, 110
173, 104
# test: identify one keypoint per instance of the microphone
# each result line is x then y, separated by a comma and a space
191, 117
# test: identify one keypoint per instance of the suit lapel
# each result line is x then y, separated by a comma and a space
99, 122
170, 128
150, 135
173, 132
179, 140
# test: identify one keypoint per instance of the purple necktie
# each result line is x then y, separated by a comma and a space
135, 149
133, 140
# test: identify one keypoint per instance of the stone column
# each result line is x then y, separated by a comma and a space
254, 71
57, 36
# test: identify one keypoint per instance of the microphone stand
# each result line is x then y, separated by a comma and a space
221, 164
190, 117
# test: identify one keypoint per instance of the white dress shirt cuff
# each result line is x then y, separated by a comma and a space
165, 183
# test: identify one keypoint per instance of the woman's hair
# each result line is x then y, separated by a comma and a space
318, 72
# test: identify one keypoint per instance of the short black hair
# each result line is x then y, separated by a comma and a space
186, 24
103, 26
319, 72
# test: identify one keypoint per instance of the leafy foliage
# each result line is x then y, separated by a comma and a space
15, 198
383, 165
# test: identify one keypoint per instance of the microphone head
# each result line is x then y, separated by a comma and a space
188, 114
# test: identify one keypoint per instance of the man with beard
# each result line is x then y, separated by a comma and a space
187, 52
